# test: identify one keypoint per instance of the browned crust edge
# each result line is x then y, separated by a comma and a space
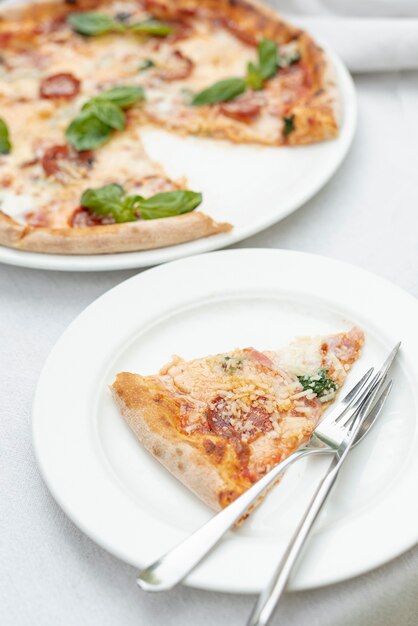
317, 118
11, 231
150, 421
141, 235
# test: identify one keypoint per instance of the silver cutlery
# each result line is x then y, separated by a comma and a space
177, 563
270, 596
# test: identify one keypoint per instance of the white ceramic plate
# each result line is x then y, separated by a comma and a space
124, 500
251, 187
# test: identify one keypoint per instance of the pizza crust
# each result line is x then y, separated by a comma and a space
11, 231
317, 118
153, 424
141, 235
209, 428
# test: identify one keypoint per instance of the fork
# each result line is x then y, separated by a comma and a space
171, 568
271, 594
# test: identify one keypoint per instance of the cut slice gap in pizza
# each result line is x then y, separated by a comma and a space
268, 83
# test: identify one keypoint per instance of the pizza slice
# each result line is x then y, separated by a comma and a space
220, 423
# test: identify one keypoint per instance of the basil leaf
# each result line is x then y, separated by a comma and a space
254, 78
267, 58
221, 91
319, 383
123, 97
109, 200
107, 112
93, 23
145, 64
87, 132
5, 145
289, 125
266, 67
152, 27
98, 199
169, 204
100, 115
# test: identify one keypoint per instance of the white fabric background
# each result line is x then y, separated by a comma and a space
369, 35
50, 573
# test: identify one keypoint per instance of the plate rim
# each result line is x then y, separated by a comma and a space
194, 580
138, 259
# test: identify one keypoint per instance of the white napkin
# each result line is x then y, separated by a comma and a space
369, 35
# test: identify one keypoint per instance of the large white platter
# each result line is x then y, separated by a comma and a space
124, 500
251, 187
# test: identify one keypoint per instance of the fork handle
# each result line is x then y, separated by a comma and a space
178, 562
270, 596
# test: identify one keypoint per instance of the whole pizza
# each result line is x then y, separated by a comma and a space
80, 78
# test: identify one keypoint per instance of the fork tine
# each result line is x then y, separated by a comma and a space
369, 394
338, 411
373, 414
354, 391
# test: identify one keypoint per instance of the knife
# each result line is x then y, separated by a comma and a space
268, 599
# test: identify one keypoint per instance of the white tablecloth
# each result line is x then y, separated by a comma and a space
50, 573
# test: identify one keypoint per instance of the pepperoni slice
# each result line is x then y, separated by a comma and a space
245, 109
260, 419
217, 421
220, 424
56, 159
62, 85
81, 218
53, 157
258, 357
178, 67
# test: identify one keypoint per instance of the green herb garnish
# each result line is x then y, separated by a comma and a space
111, 200
266, 67
100, 115
289, 125
107, 112
257, 74
267, 58
87, 132
169, 203
91, 23
145, 64
231, 364
254, 79
152, 27
319, 383
221, 91
124, 96
5, 145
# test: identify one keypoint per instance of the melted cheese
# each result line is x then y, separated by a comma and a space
103, 62
256, 398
